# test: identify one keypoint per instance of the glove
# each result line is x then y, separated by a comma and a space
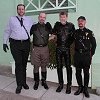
5, 47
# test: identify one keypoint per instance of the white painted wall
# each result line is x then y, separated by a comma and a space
51, 74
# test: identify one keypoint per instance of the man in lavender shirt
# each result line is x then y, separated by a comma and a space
17, 32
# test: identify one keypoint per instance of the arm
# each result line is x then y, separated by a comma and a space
53, 37
7, 32
49, 27
72, 34
33, 28
6, 36
93, 44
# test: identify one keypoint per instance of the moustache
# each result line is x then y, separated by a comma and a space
42, 20
80, 24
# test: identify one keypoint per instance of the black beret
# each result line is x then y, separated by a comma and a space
81, 17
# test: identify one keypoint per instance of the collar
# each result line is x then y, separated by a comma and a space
21, 17
41, 24
82, 29
64, 24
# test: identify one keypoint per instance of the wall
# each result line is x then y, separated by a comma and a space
7, 9
90, 9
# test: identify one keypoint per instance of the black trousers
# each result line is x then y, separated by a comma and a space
20, 52
79, 76
82, 61
60, 54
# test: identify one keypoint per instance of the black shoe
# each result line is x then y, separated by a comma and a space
68, 89
18, 89
25, 86
60, 87
45, 85
86, 93
80, 90
36, 85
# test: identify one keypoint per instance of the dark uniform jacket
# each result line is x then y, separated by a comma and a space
41, 33
85, 41
64, 34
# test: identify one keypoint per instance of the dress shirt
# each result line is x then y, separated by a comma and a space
14, 29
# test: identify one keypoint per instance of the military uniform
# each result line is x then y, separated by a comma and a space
64, 40
40, 52
85, 45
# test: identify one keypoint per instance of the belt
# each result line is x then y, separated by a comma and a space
13, 40
82, 50
39, 45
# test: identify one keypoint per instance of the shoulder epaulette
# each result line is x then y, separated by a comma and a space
89, 30
35, 26
57, 23
70, 23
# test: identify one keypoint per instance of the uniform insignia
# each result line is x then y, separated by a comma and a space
87, 34
83, 37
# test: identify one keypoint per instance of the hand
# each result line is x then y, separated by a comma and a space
53, 38
5, 47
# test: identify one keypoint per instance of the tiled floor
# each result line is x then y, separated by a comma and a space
8, 86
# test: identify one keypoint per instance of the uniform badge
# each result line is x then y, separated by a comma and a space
83, 37
87, 34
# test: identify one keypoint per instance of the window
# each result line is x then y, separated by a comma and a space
49, 6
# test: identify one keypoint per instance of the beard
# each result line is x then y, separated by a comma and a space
42, 21
21, 14
63, 22
80, 25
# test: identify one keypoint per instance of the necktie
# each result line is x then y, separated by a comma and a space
21, 21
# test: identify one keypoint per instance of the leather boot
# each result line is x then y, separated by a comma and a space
86, 82
86, 77
36, 79
18, 89
45, 85
85, 91
79, 76
60, 87
79, 81
68, 89
80, 90
25, 86
69, 79
43, 80
36, 85
60, 78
